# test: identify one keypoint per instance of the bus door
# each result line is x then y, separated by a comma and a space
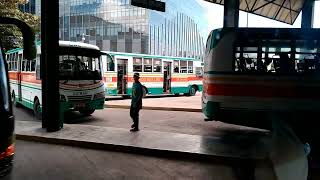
122, 76
167, 67
19, 76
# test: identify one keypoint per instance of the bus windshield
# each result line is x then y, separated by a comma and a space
73, 67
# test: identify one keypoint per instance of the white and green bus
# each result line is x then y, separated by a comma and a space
158, 74
81, 83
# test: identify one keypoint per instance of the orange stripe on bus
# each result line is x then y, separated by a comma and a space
154, 79
29, 77
261, 91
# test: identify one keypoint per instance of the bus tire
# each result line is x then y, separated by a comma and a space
86, 112
14, 100
126, 96
192, 91
37, 109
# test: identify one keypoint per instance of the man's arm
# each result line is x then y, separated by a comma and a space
140, 92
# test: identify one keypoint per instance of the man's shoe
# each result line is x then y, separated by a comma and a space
132, 126
134, 129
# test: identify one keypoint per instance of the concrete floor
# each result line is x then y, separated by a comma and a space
153, 120
188, 102
55, 162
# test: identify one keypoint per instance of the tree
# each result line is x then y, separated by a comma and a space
10, 35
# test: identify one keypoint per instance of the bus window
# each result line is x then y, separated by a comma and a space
20, 57
28, 65
137, 64
23, 66
176, 66
183, 66
157, 65
110, 63
190, 66
33, 66
38, 59
147, 65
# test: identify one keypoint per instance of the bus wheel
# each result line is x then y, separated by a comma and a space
192, 91
14, 100
37, 109
87, 112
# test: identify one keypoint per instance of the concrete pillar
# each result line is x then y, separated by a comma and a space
50, 65
307, 14
231, 13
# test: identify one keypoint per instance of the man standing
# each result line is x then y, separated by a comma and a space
136, 102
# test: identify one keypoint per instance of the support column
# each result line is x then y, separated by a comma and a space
307, 14
231, 13
50, 64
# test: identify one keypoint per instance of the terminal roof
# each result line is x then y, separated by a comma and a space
285, 11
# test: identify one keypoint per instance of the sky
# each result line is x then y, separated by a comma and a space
214, 13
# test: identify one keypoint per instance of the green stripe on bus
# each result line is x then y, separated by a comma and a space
38, 43
156, 90
31, 87
25, 102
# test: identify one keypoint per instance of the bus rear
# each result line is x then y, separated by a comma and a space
7, 137
6, 120
249, 71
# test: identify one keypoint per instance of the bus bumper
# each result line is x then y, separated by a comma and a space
210, 110
93, 104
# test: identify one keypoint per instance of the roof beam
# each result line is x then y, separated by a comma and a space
275, 17
269, 2
254, 4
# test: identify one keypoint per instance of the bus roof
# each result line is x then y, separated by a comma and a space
78, 44
149, 56
62, 44
273, 33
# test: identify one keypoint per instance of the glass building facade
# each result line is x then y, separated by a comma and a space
115, 25
32, 7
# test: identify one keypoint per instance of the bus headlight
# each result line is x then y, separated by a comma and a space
99, 95
62, 98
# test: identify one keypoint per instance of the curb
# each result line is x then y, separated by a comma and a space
136, 150
154, 108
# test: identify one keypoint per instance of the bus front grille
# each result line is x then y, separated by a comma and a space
80, 98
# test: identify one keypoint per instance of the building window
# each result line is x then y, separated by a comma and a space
137, 64
147, 65
176, 66
157, 65
183, 66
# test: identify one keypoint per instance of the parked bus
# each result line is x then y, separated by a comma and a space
258, 70
81, 84
159, 74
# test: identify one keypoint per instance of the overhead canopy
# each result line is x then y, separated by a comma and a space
285, 11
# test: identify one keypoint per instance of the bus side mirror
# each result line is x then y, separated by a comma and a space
29, 47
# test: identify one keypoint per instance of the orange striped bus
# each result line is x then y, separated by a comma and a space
250, 70
81, 82
158, 74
